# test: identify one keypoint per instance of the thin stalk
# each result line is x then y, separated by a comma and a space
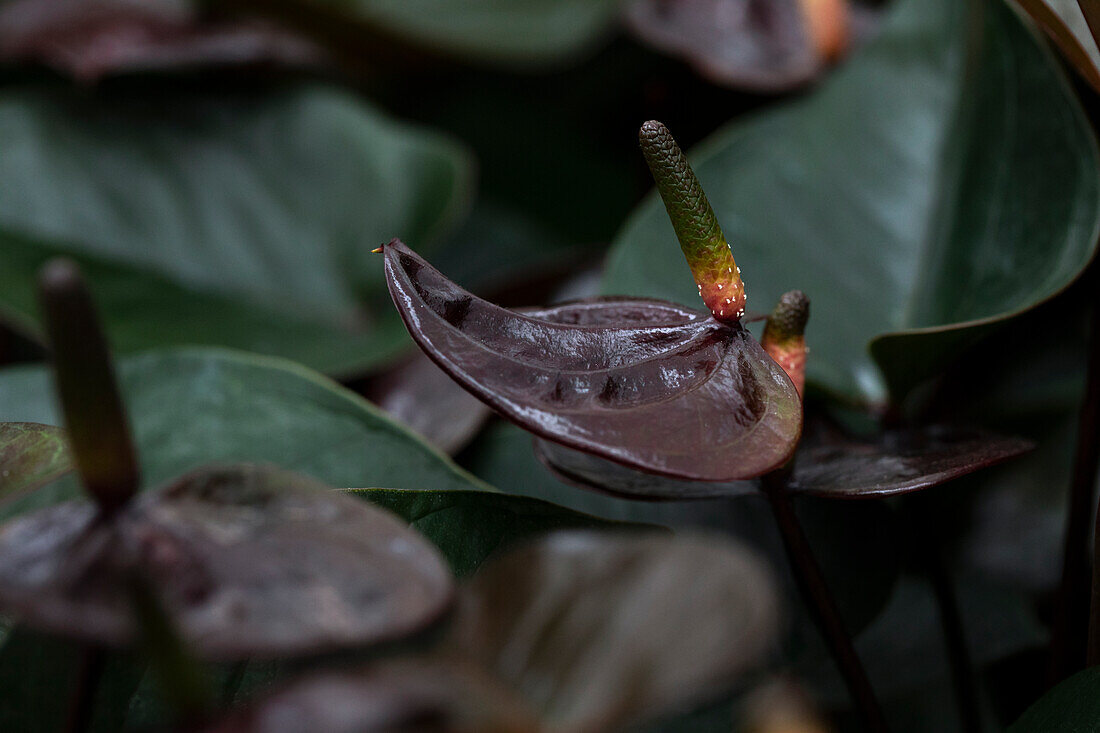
1070, 634
78, 719
816, 592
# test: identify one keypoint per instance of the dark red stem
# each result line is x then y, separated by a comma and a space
823, 607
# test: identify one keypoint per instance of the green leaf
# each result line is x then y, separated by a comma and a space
941, 182
1064, 22
222, 218
31, 455
191, 407
1071, 707
470, 526
511, 31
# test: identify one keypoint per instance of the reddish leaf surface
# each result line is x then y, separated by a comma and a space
422, 396
248, 562
640, 382
764, 45
826, 465
92, 38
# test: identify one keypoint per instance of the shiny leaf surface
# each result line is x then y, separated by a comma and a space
31, 455
248, 562
240, 219
192, 407
969, 195
644, 383
598, 631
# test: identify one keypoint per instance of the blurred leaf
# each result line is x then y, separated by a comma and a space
521, 32
398, 697
846, 535
597, 631
916, 198
419, 394
31, 455
236, 219
1066, 25
470, 526
1074, 705
656, 387
93, 38
197, 406
242, 558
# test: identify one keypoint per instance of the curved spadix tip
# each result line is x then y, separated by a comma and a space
790, 316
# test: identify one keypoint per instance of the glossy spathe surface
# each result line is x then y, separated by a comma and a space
640, 382
942, 179
248, 562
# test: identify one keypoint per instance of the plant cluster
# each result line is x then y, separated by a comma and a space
853, 491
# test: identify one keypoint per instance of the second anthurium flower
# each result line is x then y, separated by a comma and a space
645, 383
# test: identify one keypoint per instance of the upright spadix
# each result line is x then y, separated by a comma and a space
705, 247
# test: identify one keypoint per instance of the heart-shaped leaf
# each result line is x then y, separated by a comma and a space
765, 45
192, 407
398, 697
1065, 23
1074, 705
599, 631
644, 383
917, 225
91, 38
31, 455
829, 466
234, 219
248, 561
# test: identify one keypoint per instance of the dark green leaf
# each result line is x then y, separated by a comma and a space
942, 181
470, 526
31, 455
236, 219
1065, 24
597, 631
1071, 707
193, 407
248, 562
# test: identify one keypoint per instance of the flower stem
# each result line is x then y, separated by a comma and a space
823, 607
